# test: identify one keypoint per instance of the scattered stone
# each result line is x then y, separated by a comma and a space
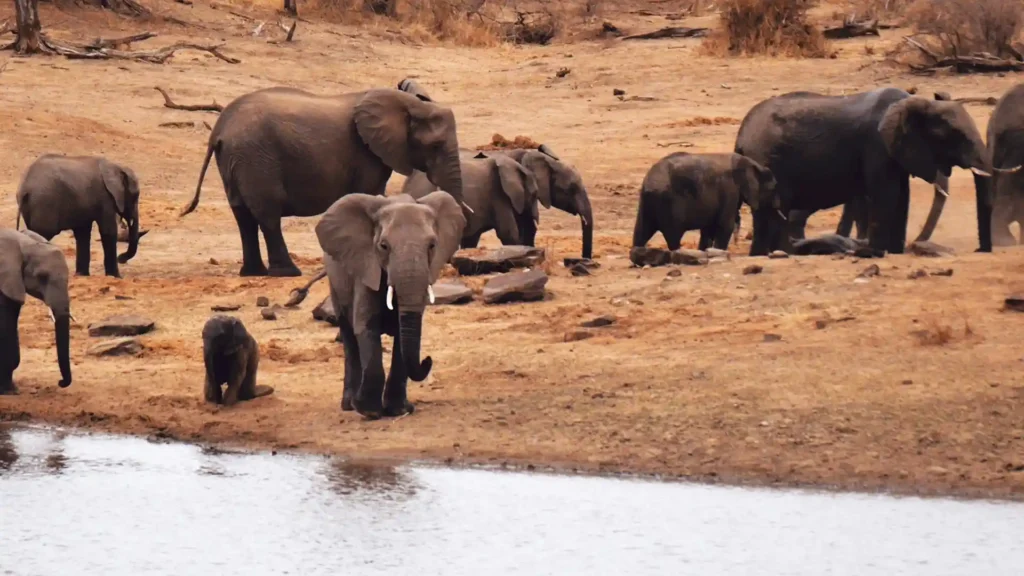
451, 292
599, 322
263, 301
497, 261
268, 313
324, 312
122, 297
579, 270
214, 262
642, 256
919, 273
778, 254
675, 273
753, 269
121, 325
586, 262
577, 335
516, 287
942, 272
824, 322
769, 337
618, 92
225, 307
870, 271
928, 249
117, 347
907, 382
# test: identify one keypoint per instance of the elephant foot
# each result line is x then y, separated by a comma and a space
8, 389
248, 270
81, 272
399, 409
285, 271
371, 409
114, 274
346, 403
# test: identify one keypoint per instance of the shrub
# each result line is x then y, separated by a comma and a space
969, 26
861, 10
770, 27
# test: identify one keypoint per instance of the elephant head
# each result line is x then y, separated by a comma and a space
757, 187
123, 186
408, 133
410, 240
928, 138
31, 265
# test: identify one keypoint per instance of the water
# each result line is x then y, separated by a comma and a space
77, 505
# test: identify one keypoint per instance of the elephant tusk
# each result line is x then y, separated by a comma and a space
391, 297
941, 191
583, 219
781, 215
980, 172
430, 293
1008, 170
466, 206
52, 319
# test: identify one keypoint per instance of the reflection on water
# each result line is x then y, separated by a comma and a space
72, 504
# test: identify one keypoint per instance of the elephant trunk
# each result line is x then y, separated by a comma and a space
411, 285
938, 203
586, 225
447, 174
62, 330
410, 327
983, 203
133, 237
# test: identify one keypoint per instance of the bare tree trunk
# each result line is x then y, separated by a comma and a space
29, 29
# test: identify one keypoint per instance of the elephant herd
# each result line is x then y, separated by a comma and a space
285, 152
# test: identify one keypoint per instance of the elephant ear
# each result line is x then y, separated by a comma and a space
382, 121
904, 130
746, 179
540, 164
449, 223
113, 180
517, 182
346, 232
12, 283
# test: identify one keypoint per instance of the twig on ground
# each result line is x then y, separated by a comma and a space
102, 44
670, 32
158, 56
168, 103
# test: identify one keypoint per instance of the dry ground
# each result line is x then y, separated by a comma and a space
921, 391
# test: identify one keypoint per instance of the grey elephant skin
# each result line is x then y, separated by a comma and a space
684, 191
231, 357
30, 264
382, 255
827, 150
1006, 145
286, 152
88, 190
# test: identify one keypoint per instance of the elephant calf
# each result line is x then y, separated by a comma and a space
684, 191
87, 190
231, 356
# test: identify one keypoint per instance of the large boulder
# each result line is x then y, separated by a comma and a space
475, 262
643, 256
116, 347
121, 325
451, 292
525, 286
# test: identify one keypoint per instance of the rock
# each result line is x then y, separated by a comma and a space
324, 312
225, 307
689, 257
577, 335
268, 313
121, 325
600, 321
674, 273
122, 297
753, 269
263, 301
618, 92
501, 260
579, 270
778, 254
769, 337
941, 95
870, 271
1015, 303
586, 262
214, 262
942, 272
516, 287
928, 249
116, 347
451, 292
919, 273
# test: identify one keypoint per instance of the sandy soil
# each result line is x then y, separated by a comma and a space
918, 390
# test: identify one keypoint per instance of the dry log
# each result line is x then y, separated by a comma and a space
670, 32
168, 103
101, 44
852, 30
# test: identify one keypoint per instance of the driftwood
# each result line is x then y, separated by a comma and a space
168, 103
962, 64
670, 32
99, 49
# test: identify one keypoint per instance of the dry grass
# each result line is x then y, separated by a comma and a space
859, 10
766, 27
499, 142
960, 27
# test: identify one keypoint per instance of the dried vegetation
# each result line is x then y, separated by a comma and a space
766, 27
963, 35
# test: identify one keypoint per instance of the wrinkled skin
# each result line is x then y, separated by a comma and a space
286, 152
374, 246
31, 265
1006, 145
89, 189
231, 356
828, 150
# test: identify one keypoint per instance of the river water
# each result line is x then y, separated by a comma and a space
91, 504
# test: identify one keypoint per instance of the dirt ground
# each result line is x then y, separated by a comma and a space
915, 387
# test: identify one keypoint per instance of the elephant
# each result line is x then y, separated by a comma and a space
87, 190
231, 356
827, 150
834, 244
684, 191
382, 255
1005, 139
30, 264
287, 152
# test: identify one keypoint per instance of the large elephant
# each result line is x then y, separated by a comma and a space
1006, 145
382, 256
61, 193
286, 152
684, 191
828, 150
502, 194
30, 264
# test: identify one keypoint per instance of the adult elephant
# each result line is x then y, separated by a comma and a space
286, 152
827, 150
1006, 145
382, 255
29, 264
61, 193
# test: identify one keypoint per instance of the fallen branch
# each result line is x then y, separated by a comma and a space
168, 103
291, 31
670, 32
158, 56
101, 44
852, 30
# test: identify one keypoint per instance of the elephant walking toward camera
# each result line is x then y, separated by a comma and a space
828, 150
286, 152
684, 191
1006, 145
61, 193
382, 256
29, 264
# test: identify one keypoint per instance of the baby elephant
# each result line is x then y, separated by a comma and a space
231, 356
684, 191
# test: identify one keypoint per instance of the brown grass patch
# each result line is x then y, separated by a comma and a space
962, 27
939, 333
766, 27
860, 10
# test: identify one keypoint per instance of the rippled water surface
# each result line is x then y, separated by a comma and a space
73, 505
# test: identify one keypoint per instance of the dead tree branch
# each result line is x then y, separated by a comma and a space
670, 32
101, 44
168, 103
158, 56
852, 30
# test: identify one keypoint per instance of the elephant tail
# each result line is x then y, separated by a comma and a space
213, 146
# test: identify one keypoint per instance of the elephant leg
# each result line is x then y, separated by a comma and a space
83, 239
281, 264
722, 236
884, 211
10, 350
369, 397
1002, 217
109, 243
396, 400
797, 226
707, 236
353, 367
898, 226
470, 241
528, 232
845, 226
248, 229
674, 238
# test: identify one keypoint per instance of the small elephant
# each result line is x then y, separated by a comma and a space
502, 194
87, 190
684, 191
835, 244
30, 264
382, 256
1006, 145
287, 152
231, 356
